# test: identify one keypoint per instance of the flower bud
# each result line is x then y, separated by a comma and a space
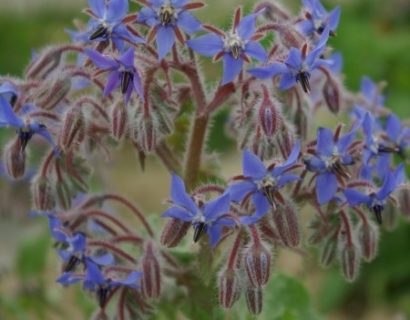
151, 278
119, 118
286, 223
368, 235
47, 61
173, 232
43, 196
146, 132
328, 251
290, 37
332, 94
286, 140
301, 123
270, 118
257, 264
63, 195
254, 300
349, 256
73, 126
229, 288
404, 201
50, 97
390, 216
15, 159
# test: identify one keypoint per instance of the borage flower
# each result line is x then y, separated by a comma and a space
108, 22
297, 67
166, 19
330, 161
376, 200
263, 184
210, 217
317, 19
370, 93
397, 134
122, 73
26, 127
235, 46
9, 92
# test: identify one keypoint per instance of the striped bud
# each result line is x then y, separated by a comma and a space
368, 235
349, 256
173, 232
43, 196
286, 223
270, 118
73, 126
332, 94
290, 37
63, 195
151, 277
47, 62
254, 300
257, 264
390, 216
15, 159
119, 118
50, 96
229, 288
286, 140
301, 123
404, 201
146, 132
328, 251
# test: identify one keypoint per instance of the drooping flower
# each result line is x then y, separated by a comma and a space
166, 19
261, 183
9, 92
122, 73
317, 19
210, 217
25, 126
234, 46
298, 66
376, 199
330, 161
397, 133
107, 22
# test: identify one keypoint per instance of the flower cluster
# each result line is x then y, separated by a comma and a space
123, 88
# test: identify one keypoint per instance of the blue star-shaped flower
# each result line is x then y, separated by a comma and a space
329, 162
318, 19
166, 18
375, 200
235, 46
397, 133
262, 183
107, 23
122, 73
297, 67
209, 217
25, 126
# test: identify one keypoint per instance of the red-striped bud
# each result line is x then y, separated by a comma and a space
368, 235
15, 159
43, 195
332, 94
73, 126
270, 118
257, 262
290, 37
173, 232
119, 119
254, 300
286, 223
286, 140
349, 256
328, 251
151, 278
229, 288
47, 61
63, 195
50, 96
146, 132
404, 200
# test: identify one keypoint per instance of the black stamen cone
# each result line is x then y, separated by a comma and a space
388, 149
303, 78
269, 195
236, 51
71, 264
378, 209
100, 32
13, 100
126, 79
200, 228
24, 137
102, 293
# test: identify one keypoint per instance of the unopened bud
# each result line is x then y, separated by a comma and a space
349, 256
146, 132
270, 118
301, 123
332, 95
286, 223
173, 232
15, 159
229, 288
404, 200
47, 61
151, 278
257, 264
286, 140
254, 300
119, 118
50, 96
272, 11
73, 126
63, 195
328, 251
368, 235
290, 37
390, 216
43, 195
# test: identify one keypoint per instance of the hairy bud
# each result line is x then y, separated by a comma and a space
272, 11
254, 300
47, 62
286, 223
270, 118
290, 37
50, 97
286, 140
73, 127
151, 278
332, 95
43, 196
119, 118
63, 195
257, 264
15, 159
404, 201
146, 132
229, 288
328, 251
368, 236
173, 232
349, 256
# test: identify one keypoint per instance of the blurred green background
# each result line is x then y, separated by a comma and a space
374, 37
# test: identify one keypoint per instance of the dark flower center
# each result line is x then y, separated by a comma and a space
378, 209
102, 293
167, 15
126, 80
303, 78
200, 228
100, 32
72, 263
234, 44
25, 135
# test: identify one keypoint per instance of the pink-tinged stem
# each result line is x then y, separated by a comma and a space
114, 249
255, 235
127, 238
348, 229
121, 304
47, 164
103, 215
233, 256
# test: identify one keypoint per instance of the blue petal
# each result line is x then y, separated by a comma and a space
294, 60
368, 88
325, 143
355, 198
179, 3
113, 81
315, 164
156, 3
393, 127
179, 195
252, 166
391, 181
178, 213
69, 278
100, 60
326, 187
214, 234
127, 59
97, 6
46, 135
165, 40
287, 81
188, 22
268, 71
121, 32
239, 190
290, 161
287, 178
256, 50
345, 141
116, 10
132, 280
262, 206
307, 27
207, 45
93, 275
334, 18
78, 242
217, 207
148, 16
8, 90
231, 68
103, 260
7, 115
246, 27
